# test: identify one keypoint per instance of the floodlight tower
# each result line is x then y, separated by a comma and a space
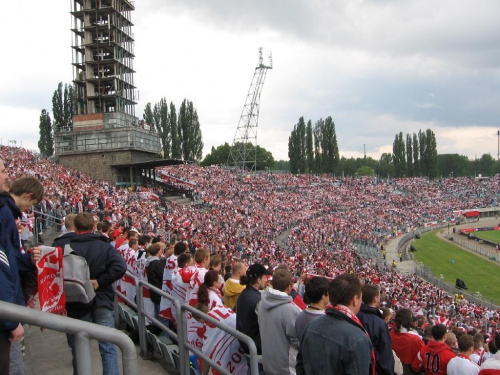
244, 149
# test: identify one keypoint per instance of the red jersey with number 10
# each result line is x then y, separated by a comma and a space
433, 358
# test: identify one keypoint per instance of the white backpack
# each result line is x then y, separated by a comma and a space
76, 274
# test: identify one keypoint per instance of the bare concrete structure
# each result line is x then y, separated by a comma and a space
105, 131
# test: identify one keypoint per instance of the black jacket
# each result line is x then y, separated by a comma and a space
154, 270
105, 265
247, 321
379, 335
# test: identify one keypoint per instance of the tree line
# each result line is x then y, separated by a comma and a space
313, 149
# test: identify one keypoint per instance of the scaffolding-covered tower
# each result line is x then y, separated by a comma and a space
105, 131
244, 149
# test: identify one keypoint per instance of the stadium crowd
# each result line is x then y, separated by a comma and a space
296, 227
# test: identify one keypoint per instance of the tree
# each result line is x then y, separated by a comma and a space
329, 146
454, 165
318, 141
174, 131
46, 143
365, 171
385, 166
399, 155
409, 155
431, 154
63, 104
422, 152
487, 165
282, 165
220, 155
190, 131
416, 162
309, 147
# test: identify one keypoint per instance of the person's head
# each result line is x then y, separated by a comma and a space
156, 249
386, 314
84, 222
26, 192
144, 240
403, 319
105, 227
491, 346
282, 281
466, 344
256, 276
212, 280
132, 234
439, 332
428, 332
238, 270
316, 290
69, 222
184, 260
202, 257
346, 290
478, 340
180, 248
451, 340
371, 295
3, 174
215, 262
133, 243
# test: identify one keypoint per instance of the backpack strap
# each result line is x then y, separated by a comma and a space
68, 250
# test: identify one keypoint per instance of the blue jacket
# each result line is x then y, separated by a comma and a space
379, 335
105, 265
334, 344
12, 261
246, 317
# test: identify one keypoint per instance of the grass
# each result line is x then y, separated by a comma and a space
479, 274
490, 235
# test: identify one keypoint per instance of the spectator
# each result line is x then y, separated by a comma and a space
277, 317
376, 327
406, 342
246, 305
337, 343
232, 287
451, 341
462, 365
478, 353
155, 264
105, 266
316, 294
492, 365
433, 358
65, 238
23, 193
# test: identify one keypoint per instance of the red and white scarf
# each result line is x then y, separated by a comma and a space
51, 280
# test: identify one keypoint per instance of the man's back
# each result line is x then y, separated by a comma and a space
105, 265
277, 315
433, 358
379, 336
334, 344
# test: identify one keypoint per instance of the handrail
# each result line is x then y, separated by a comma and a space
181, 335
83, 331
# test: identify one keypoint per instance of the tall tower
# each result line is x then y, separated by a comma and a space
105, 136
244, 148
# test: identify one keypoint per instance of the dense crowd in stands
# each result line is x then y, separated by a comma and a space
308, 224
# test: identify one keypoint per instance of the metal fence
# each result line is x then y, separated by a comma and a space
83, 331
181, 335
477, 249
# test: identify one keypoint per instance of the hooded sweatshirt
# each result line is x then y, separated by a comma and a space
433, 358
232, 289
277, 314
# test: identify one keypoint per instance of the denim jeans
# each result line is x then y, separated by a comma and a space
109, 356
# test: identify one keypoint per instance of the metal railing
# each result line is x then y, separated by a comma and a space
181, 335
83, 331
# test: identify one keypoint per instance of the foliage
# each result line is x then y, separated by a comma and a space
281, 165
313, 150
220, 155
365, 171
63, 105
46, 143
180, 133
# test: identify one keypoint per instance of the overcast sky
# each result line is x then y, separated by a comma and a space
377, 67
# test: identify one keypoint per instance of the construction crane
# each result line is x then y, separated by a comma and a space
243, 153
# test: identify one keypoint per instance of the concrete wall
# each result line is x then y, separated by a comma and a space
98, 165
